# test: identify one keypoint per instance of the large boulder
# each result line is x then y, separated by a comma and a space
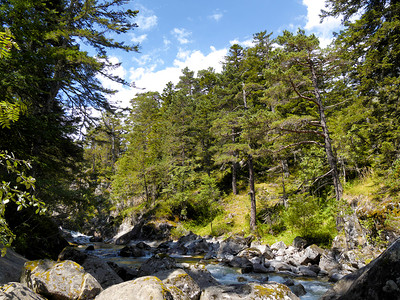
98, 268
131, 251
268, 291
11, 266
151, 231
379, 280
148, 287
233, 245
159, 262
59, 280
311, 255
18, 291
180, 284
202, 276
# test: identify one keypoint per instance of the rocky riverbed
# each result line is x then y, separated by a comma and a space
233, 268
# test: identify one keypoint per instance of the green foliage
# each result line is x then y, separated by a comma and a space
18, 191
393, 180
313, 220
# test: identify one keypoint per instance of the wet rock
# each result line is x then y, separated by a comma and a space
306, 271
143, 246
289, 282
131, 251
298, 290
157, 263
259, 268
202, 276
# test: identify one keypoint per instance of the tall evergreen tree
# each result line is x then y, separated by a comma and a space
370, 44
302, 71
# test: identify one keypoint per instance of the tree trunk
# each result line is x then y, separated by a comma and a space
234, 167
328, 146
234, 178
252, 194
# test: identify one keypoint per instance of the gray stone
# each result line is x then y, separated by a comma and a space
299, 242
147, 287
18, 291
59, 280
157, 263
97, 267
298, 290
180, 284
11, 266
266, 291
311, 255
278, 245
305, 271
374, 281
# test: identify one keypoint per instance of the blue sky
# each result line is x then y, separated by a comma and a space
174, 34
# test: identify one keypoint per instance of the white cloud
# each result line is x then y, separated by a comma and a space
145, 21
322, 30
138, 39
216, 16
245, 43
182, 35
151, 80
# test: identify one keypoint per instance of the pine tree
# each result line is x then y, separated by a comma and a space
301, 71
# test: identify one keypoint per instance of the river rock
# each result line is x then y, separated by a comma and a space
147, 287
196, 247
311, 255
125, 273
268, 253
18, 291
11, 266
180, 284
354, 232
378, 280
157, 263
131, 251
298, 290
278, 246
188, 238
59, 280
97, 267
260, 268
329, 261
202, 276
299, 242
233, 245
266, 291
306, 271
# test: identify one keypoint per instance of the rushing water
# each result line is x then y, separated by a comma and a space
225, 275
